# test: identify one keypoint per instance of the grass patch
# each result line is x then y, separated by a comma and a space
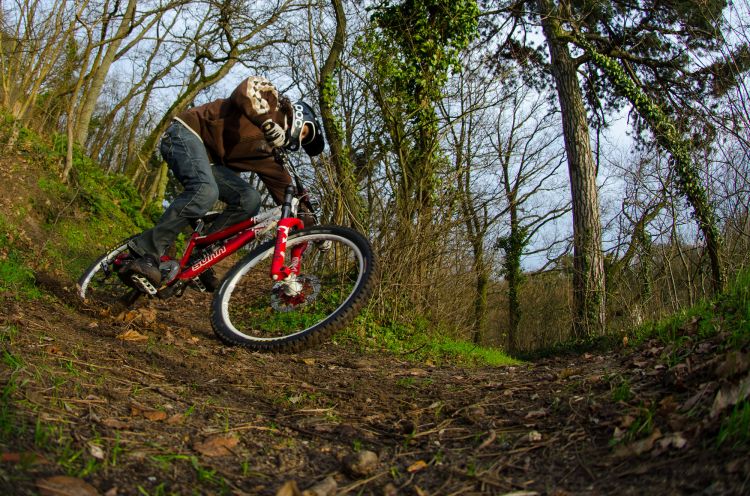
16, 278
735, 427
419, 343
81, 218
728, 313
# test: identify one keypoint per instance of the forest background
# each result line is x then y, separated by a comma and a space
528, 171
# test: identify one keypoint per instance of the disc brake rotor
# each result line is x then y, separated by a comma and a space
305, 291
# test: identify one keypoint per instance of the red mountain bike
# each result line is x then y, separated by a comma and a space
293, 290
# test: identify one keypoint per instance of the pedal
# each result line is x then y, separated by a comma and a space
143, 284
198, 284
176, 289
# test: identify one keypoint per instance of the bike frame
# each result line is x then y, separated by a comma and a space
237, 235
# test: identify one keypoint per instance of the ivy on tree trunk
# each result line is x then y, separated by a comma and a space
667, 135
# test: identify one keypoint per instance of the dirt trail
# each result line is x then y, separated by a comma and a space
178, 413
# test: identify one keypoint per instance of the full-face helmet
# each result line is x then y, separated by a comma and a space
303, 115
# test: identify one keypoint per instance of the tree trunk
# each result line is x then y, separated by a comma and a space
513, 275
99, 73
349, 206
588, 263
480, 301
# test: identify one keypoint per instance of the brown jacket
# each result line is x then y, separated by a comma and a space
230, 130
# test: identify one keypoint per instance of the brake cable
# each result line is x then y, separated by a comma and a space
282, 158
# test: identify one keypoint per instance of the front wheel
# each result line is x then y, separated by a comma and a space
335, 280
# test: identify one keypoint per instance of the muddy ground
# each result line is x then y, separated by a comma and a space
149, 402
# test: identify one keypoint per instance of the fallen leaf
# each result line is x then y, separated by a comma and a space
132, 335
534, 436
693, 400
327, 487
390, 490
593, 379
639, 447
475, 414
62, 485
115, 423
25, 457
96, 451
668, 404
569, 372
734, 363
420, 491
417, 466
176, 419
618, 434
155, 415
147, 315
289, 489
730, 396
536, 414
217, 445
127, 316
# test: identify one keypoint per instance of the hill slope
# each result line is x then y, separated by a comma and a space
149, 402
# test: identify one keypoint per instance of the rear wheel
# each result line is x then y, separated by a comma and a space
334, 282
100, 283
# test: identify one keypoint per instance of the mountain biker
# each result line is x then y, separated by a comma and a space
207, 146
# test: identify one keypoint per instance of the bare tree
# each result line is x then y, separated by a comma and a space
530, 159
34, 37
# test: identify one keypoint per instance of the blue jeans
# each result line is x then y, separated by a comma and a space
204, 183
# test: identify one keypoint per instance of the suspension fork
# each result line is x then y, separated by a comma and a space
280, 271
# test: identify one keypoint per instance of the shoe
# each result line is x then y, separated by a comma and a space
147, 266
209, 280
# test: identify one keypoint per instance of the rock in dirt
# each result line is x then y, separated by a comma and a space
362, 463
327, 487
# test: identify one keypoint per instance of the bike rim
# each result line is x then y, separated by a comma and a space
255, 308
101, 283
